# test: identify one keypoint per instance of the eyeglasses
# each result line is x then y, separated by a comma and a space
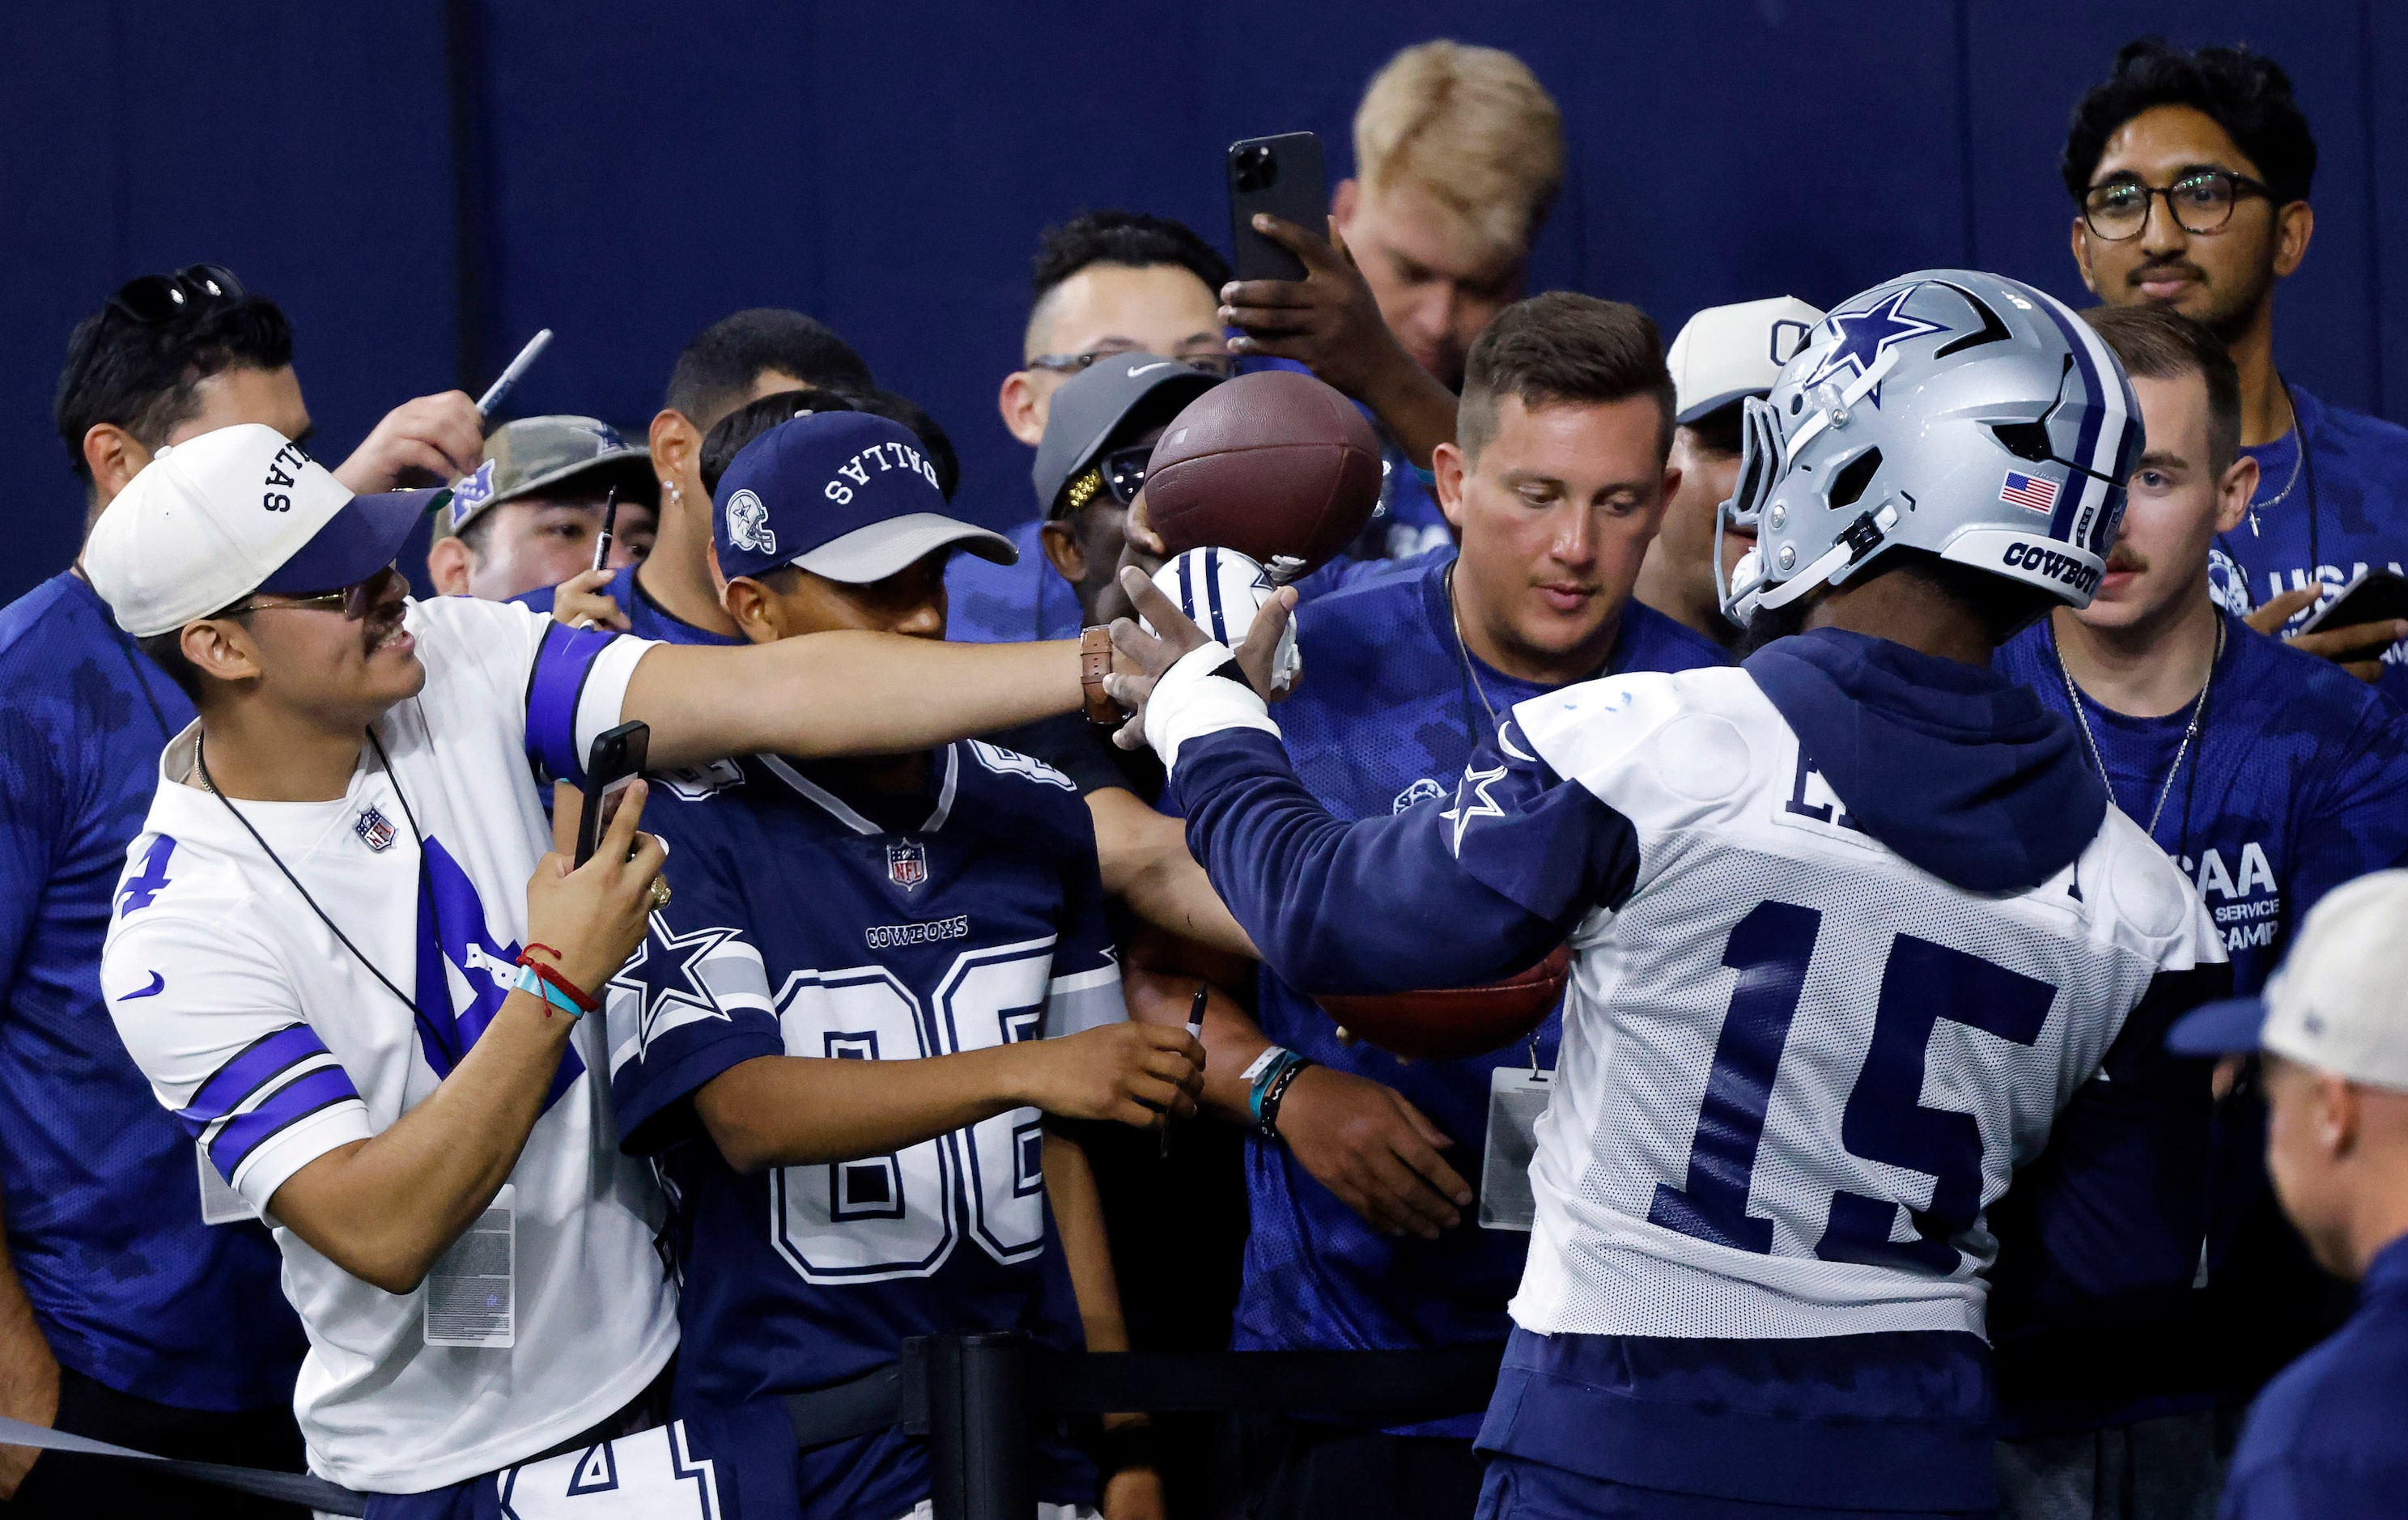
1220, 366
156, 300
1120, 475
2200, 202
356, 601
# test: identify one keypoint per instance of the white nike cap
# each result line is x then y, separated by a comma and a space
243, 509
1728, 353
2340, 1003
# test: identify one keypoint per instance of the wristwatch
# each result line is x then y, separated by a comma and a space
1094, 664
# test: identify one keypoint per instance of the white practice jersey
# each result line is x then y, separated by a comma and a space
274, 1044
1796, 1070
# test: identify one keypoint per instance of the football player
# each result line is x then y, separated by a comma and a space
343, 959
1853, 924
877, 977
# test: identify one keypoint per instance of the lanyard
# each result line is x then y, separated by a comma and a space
201, 755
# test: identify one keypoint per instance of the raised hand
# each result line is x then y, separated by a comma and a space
1145, 657
595, 915
433, 441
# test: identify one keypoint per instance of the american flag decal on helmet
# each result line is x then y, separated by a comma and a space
2028, 490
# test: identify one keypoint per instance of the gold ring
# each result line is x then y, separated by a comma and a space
660, 892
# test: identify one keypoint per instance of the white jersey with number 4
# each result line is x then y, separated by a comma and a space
274, 1042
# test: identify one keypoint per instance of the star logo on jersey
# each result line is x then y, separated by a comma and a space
1476, 781
665, 976
907, 864
1861, 337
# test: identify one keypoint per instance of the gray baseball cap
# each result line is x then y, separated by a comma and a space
534, 455
1093, 403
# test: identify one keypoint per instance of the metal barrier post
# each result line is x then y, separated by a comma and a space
979, 1428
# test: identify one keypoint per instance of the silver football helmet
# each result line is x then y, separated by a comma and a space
1958, 412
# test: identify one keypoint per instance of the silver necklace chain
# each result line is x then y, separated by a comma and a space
1463, 651
2197, 712
2298, 459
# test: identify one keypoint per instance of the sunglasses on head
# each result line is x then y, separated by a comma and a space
1120, 475
156, 300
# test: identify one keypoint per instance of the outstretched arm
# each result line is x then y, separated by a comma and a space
839, 693
1431, 897
1144, 854
790, 1111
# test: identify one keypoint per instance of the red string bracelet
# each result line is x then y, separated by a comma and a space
569, 989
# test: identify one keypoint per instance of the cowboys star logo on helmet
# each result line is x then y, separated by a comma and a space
1999, 436
1861, 337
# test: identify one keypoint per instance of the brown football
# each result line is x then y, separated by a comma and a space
1443, 1025
1273, 464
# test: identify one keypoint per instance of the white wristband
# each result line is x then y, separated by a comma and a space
1190, 701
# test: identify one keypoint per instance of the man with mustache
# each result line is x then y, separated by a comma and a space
346, 963
2190, 174
2270, 778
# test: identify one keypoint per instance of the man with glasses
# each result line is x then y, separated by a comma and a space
1106, 284
2191, 173
127, 1267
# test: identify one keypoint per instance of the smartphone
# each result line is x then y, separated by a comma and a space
617, 758
1282, 176
2375, 595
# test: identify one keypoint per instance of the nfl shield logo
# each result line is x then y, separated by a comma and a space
906, 863
376, 830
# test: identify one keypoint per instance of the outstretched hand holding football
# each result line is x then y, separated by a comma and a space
1175, 636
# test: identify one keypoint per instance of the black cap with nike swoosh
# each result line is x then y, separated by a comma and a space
1091, 407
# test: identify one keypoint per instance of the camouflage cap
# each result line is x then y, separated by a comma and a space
533, 455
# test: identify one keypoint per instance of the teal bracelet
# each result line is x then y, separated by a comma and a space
527, 980
1269, 1077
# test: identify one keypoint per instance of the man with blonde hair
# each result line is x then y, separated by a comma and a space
1458, 153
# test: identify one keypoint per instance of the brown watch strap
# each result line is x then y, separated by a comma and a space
1094, 664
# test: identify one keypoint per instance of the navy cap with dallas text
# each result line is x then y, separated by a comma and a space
843, 494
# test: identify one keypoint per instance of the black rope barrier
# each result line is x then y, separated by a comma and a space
976, 1399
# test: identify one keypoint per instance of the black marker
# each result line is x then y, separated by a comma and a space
1195, 1032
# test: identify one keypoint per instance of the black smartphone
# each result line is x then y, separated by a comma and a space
2375, 595
616, 759
1282, 176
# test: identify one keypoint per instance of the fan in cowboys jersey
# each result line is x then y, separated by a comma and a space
875, 978
1854, 926
325, 945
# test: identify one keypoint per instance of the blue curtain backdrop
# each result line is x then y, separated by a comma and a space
424, 185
